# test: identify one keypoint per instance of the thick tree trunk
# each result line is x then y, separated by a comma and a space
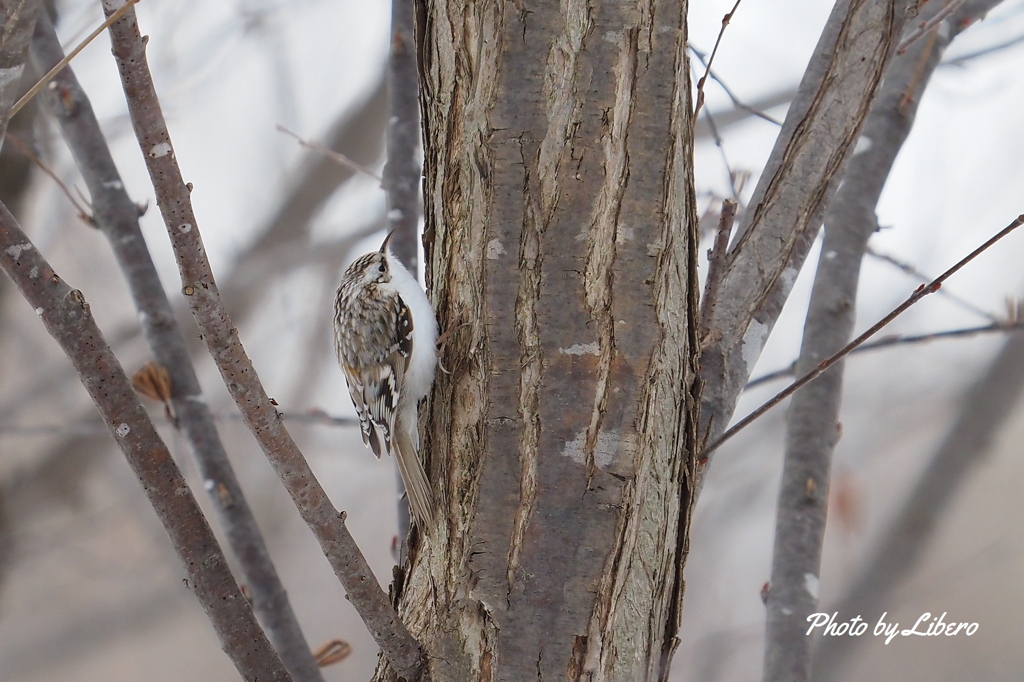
561, 231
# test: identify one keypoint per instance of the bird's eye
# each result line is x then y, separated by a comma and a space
383, 267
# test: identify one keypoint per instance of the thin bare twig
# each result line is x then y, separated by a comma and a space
899, 340
24, 149
910, 339
916, 296
720, 145
736, 101
118, 218
909, 269
338, 157
926, 26
961, 60
738, 114
68, 319
240, 377
359, 132
707, 70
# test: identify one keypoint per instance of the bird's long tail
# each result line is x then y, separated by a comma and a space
417, 487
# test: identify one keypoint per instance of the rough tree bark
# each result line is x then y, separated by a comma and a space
562, 232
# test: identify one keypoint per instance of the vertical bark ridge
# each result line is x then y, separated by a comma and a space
563, 106
678, 276
531, 374
603, 233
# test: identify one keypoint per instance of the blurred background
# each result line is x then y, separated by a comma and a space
89, 588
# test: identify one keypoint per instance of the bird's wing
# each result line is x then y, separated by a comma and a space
403, 340
377, 388
374, 392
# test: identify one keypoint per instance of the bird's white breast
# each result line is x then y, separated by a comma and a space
420, 373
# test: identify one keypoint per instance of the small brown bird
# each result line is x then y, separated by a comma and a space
385, 334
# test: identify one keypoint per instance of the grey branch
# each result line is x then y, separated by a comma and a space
789, 201
200, 289
402, 171
67, 318
17, 17
118, 218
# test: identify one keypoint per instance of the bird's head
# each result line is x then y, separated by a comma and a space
371, 269
374, 267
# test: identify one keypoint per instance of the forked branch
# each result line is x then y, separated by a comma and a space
118, 218
259, 413
67, 318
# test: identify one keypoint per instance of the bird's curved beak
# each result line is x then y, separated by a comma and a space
384, 246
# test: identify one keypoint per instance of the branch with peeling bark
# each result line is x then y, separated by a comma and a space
716, 266
359, 135
789, 201
66, 315
260, 415
118, 218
